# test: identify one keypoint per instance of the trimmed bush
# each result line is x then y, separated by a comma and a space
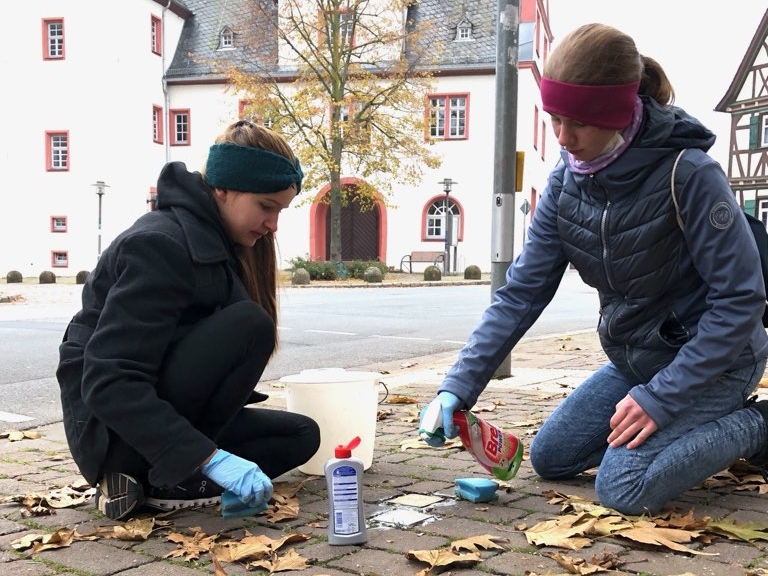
372, 274
14, 277
432, 274
317, 270
81, 277
358, 268
472, 272
47, 277
300, 277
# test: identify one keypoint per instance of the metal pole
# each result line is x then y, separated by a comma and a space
505, 149
447, 248
100, 186
447, 224
100, 193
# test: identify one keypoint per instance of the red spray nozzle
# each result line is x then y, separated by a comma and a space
342, 451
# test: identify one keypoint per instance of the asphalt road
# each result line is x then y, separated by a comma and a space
320, 328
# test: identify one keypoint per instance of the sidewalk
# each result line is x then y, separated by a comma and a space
410, 504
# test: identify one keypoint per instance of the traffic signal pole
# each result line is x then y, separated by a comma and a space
505, 150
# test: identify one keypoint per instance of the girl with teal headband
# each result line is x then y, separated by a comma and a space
178, 321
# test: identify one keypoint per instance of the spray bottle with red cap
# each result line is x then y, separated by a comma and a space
344, 479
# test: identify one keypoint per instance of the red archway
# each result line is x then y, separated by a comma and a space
318, 216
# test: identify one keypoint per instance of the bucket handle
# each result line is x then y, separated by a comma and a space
386, 393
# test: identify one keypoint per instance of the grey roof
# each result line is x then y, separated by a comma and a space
441, 17
198, 54
198, 57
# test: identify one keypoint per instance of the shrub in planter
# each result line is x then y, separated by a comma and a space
432, 274
317, 270
14, 277
472, 272
81, 277
372, 274
47, 277
358, 268
300, 277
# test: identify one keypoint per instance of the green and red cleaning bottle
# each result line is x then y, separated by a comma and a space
499, 452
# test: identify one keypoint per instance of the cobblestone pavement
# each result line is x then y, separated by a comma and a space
410, 504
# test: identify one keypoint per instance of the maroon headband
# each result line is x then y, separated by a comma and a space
610, 106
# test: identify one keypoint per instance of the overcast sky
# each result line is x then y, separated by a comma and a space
699, 44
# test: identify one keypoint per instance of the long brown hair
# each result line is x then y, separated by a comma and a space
258, 264
598, 55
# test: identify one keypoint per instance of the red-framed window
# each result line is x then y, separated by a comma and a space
448, 116
435, 215
156, 29
57, 151
157, 124
53, 39
60, 259
179, 128
58, 224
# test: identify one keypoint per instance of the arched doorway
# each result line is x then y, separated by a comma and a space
363, 232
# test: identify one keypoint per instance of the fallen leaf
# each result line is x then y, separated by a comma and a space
748, 531
605, 563
402, 400
291, 560
443, 557
418, 443
647, 532
16, 435
472, 544
190, 547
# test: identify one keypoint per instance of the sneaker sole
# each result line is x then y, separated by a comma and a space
167, 504
118, 495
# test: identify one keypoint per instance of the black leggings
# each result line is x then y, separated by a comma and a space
208, 376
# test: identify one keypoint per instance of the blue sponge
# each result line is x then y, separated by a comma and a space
476, 489
233, 507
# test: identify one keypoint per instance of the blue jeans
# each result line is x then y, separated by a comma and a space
706, 438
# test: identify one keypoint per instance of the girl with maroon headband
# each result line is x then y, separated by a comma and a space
680, 307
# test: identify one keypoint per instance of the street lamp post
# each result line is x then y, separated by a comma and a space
100, 186
448, 223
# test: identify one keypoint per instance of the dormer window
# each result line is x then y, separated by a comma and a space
226, 39
464, 31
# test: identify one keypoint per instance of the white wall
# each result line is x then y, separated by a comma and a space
103, 93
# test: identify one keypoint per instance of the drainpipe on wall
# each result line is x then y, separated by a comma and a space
166, 98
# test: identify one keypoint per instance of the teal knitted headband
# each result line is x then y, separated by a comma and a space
247, 169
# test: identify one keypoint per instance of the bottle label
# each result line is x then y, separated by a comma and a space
345, 500
497, 451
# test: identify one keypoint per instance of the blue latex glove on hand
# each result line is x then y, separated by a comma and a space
240, 476
447, 403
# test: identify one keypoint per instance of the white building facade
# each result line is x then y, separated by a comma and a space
111, 96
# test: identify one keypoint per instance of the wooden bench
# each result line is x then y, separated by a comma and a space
430, 257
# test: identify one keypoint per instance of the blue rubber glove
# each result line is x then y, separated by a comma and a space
447, 403
245, 479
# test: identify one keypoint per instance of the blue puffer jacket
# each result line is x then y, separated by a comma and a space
677, 308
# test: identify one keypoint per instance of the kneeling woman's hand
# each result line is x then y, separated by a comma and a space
240, 476
630, 425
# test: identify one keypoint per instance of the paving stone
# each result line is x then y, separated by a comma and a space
544, 372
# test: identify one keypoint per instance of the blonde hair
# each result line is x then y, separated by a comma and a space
258, 264
599, 55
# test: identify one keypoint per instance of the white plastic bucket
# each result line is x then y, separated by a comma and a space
343, 403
